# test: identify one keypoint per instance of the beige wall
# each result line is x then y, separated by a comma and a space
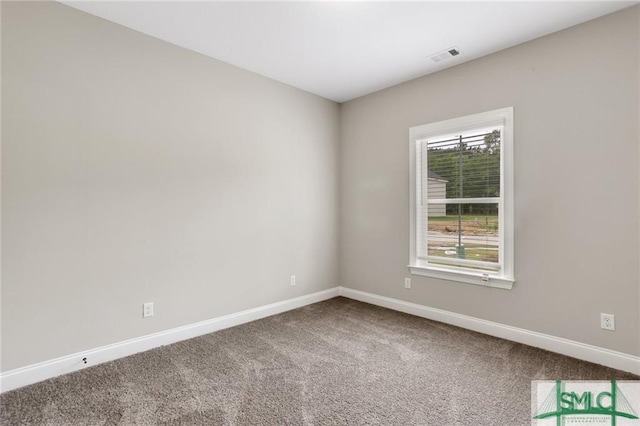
575, 99
137, 171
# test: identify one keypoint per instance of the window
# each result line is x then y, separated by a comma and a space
462, 199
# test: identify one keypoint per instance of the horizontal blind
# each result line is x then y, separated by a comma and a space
458, 185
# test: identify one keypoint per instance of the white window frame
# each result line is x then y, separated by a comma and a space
505, 277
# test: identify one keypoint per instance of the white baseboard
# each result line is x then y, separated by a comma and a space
45, 370
597, 355
30, 374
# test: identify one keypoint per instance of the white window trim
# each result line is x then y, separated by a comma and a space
505, 278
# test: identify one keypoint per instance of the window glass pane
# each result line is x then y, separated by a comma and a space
472, 235
464, 166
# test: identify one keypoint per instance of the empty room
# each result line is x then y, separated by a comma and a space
320, 213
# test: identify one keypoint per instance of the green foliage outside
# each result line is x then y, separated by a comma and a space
480, 163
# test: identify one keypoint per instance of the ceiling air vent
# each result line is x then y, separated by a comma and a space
445, 54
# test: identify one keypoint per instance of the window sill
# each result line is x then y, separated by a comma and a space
475, 278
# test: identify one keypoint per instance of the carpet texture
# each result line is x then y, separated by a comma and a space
338, 362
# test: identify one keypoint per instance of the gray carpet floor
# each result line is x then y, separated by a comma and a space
338, 362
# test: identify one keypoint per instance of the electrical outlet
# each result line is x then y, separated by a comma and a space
608, 322
293, 280
407, 283
147, 309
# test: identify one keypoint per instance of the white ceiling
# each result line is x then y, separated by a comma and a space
343, 50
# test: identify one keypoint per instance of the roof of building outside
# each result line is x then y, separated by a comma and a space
433, 175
